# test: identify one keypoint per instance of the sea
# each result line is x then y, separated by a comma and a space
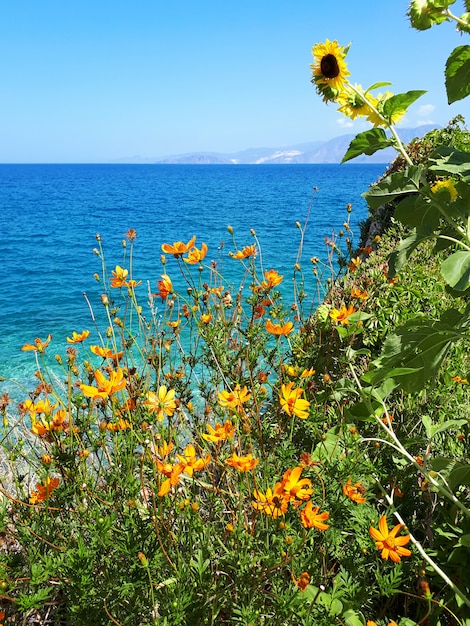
51, 214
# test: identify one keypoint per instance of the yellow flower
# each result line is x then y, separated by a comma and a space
78, 337
272, 279
354, 104
41, 406
354, 492
119, 276
382, 119
196, 256
459, 379
245, 253
105, 387
388, 542
329, 69
206, 318
279, 329
273, 503
165, 287
242, 463
44, 491
354, 264
190, 463
341, 315
38, 346
311, 518
448, 185
162, 403
178, 248
292, 403
234, 399
295, 488
220, 432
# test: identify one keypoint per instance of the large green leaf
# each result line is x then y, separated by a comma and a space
449, 161
368, 142
458, 74
394, 185
400, 102
419, 345
455, 270
416, 211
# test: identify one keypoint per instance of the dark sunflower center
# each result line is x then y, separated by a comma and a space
329, 66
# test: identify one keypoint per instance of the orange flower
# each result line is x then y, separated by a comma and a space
307, 373
302, 581
258, 311
189, 461
119, 276
174, 324
165, 287
388, 542
358, 294
178, 248
196, 256
242, 463
106, 353
292, 403
341, 315
162, 403
295, 488
173, 474
272, 279
44, 491
245, 253
38, 346
78, 337
354, 492
279, 329
273, 503
206, 318
122, 424
458, 379
310, 517
105, 387
57, 424
234, 399
220, 432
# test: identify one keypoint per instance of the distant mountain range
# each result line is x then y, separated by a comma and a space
312, 152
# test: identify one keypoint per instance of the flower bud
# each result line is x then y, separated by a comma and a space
104, 300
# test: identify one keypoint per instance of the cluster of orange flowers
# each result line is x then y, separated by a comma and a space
292, 489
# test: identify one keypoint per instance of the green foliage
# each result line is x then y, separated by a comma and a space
368, 142
458, 74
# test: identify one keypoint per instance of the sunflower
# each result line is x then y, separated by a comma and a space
356, 103
329, 69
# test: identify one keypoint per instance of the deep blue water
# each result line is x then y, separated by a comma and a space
50, 216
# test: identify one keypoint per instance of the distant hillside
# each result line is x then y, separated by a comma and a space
311, 152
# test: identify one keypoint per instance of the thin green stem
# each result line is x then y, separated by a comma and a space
399, 145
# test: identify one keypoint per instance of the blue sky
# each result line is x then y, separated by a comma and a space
101, 80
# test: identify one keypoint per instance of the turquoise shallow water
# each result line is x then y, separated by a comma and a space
51, 214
